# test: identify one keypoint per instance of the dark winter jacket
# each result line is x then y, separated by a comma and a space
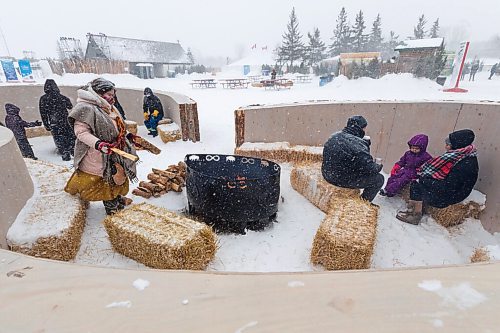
119, 107
346, 157
15, 123
493, 69
151, 103
54, 108
460, 182
409, 163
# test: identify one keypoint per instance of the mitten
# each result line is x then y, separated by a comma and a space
104, 147
395, 169
156, 113
146, 116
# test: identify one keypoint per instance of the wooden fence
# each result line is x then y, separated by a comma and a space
97, 66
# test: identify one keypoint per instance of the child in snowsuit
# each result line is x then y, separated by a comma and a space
153, 111
405, 170
16, 124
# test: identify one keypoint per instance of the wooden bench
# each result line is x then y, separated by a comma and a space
234, 83
203, 83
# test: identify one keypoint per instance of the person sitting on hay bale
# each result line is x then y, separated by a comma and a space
153, 111
100, 173
347, 161
444, 180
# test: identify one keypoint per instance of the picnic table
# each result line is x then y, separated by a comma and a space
254, 78
203, 83
302, 79
234, 83
277, 84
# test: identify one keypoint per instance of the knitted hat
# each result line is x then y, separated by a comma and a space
461, 139
358, 121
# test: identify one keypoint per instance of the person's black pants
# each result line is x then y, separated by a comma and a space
371, 185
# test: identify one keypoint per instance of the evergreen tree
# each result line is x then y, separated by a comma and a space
359, 39
315, 49
190, 56
373, 68
419, 30
292, 48
434, 33
393, 40
341, 35
376, 40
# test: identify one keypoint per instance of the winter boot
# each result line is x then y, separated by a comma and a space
412, 216
66, 156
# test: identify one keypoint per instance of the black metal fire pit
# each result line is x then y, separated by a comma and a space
232, 193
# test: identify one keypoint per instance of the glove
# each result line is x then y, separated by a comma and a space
156, 113
368, 140
146, 116
104, 147
380, 167
395, 169
48, 128
38, 123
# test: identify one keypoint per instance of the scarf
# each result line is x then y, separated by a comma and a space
439, 167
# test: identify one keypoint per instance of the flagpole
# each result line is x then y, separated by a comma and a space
4, 41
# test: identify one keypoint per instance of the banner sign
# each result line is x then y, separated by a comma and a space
25, 69
9, 70
457, 68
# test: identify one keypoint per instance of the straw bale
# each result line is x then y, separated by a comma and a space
308, 181
281, 152
455, 214
405, 193
480, 255
131, 126
346, 237
165, 121
52, 222
34, 132
161, 239
169, 132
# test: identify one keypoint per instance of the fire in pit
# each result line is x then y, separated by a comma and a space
232, 193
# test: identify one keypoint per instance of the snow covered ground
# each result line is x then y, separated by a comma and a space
286, 245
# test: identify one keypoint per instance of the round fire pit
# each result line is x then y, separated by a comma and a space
232, 193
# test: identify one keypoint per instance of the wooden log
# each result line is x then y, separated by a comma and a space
125, 154
140, 193
164, 173
144, 189
156, 179
181, 180
150, 186
176, 187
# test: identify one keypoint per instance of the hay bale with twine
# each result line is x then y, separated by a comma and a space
346, 237
281, 152
131, 126
34, 132
308, 181
169, 132
457, 213
52, 222
161, 239
480, 255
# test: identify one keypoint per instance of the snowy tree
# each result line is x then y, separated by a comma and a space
419, 30
375, 39
292, 48
432, 65
434, 33
315, 48
359, 39
341, 35
190, 56
373, 68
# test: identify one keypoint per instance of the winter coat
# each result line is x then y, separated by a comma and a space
346, 158
54, 108
16, 124
151, 103
459, 183
494, 69
409, 163
119, 107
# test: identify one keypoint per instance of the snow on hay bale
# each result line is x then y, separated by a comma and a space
34, 132
346, 237
169, 132
308, 181
281, 152
480, 255
161, 239
131, 126
52, 222
457, 213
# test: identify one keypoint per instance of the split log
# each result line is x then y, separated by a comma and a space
176, 187
163, 173
140, 193
150, 186
154, 178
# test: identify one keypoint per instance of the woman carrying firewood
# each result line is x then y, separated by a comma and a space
101, 172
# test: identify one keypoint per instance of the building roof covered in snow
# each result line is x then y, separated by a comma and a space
134, 50
426, 43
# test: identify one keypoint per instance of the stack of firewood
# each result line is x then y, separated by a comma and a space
162, 181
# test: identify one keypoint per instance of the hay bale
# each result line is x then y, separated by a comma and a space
161, 239
165, 121
308, 181
131, 126
169, 132
52, 222
34, 132
480, 255
281, 152
457, 213
346, 237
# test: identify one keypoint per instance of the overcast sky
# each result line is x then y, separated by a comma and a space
226, 28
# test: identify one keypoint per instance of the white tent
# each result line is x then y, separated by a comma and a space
254, 60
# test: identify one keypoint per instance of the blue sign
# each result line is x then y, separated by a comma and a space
246, 69
25, 68
9, 70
